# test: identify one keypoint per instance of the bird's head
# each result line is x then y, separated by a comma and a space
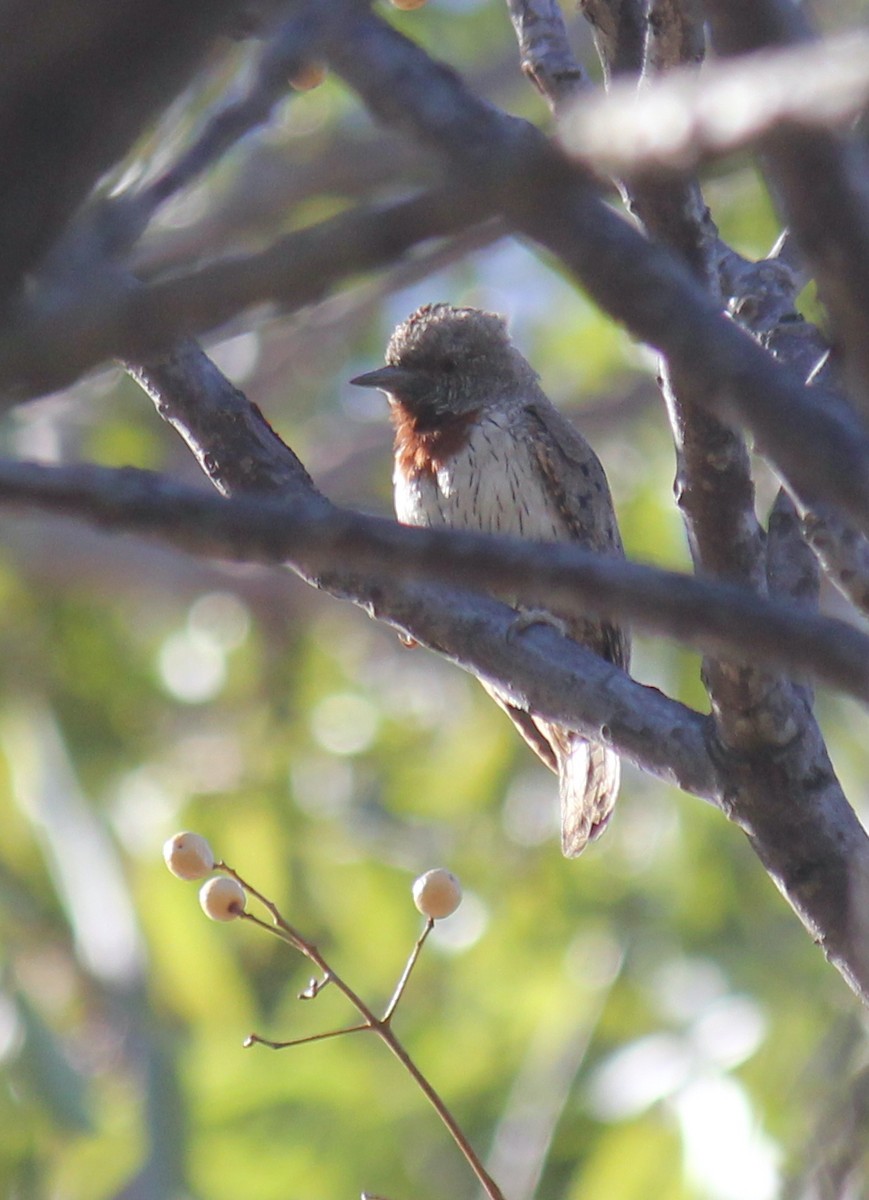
445, 362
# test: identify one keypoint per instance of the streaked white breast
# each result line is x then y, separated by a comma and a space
493, 485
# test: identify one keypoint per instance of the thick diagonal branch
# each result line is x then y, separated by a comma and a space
375, 563
139, 322
298, 526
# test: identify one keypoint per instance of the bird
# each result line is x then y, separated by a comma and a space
478, 446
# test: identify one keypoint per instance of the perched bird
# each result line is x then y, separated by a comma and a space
478, 446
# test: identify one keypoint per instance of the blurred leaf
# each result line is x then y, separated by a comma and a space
47, 1076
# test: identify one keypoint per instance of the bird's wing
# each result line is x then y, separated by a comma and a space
575, 476
588, 771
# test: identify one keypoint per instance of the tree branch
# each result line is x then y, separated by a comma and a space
760, 719
377, 557
313, 536
49, 349
544, 51
214, 418
619, 34
817, 853
830, 221
714, 486
766, 304
686, 118
842, 552
286, 52
812, 844
70, 65
823, 454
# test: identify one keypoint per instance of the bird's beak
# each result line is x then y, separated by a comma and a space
394, 380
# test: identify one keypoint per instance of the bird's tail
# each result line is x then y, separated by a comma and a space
588, 784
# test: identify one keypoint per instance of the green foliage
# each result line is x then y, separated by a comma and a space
667, 929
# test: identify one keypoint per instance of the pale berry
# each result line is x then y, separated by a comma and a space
222, 898
437, 894
188, 855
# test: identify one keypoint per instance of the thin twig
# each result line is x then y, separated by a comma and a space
405, 975
254, 1039
285, 52
52, 345
381, 1026
488, 1184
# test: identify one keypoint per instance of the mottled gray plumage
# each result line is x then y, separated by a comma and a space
479, 446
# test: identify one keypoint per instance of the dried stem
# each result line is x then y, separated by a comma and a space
255, 1038
381, 1026
405, 974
